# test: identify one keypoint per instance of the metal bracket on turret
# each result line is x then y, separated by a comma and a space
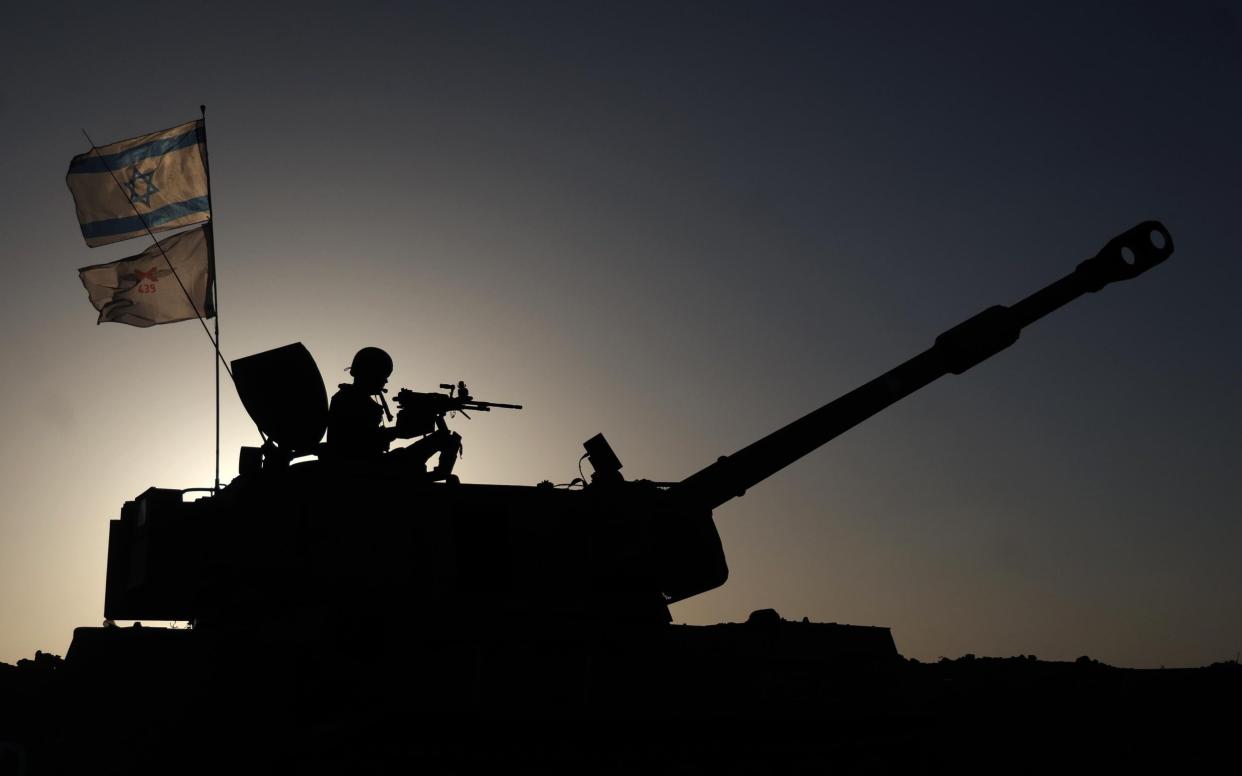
605, 464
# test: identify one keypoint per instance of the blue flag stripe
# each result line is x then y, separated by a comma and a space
92, 162
115, 226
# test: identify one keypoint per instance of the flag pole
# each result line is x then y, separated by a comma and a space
211, 270
209, 231
214, 342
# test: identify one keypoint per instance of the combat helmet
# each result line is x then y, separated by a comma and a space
371, 361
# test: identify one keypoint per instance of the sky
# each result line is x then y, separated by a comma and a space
683, 225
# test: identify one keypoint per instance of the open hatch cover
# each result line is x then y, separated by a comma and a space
285, 396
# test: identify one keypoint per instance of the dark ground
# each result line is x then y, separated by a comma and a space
768, 696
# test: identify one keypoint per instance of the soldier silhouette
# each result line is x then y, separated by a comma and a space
355, 423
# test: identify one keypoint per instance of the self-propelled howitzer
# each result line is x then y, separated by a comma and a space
378, 539
362, 618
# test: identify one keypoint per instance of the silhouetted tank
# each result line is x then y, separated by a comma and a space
319, 546
287, 535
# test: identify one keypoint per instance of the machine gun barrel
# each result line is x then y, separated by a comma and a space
421, 412
956, 350
488, 406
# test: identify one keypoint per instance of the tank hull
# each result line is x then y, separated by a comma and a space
351, 538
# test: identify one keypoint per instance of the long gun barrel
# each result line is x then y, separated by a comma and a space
956, 350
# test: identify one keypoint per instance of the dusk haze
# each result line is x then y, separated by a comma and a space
683, 225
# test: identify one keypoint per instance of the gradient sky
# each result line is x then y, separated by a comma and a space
681, 224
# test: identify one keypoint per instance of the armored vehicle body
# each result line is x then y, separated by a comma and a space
336, 587
615, 551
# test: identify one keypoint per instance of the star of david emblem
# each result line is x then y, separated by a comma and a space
141, 180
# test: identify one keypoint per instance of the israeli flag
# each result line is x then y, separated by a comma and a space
159, 179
